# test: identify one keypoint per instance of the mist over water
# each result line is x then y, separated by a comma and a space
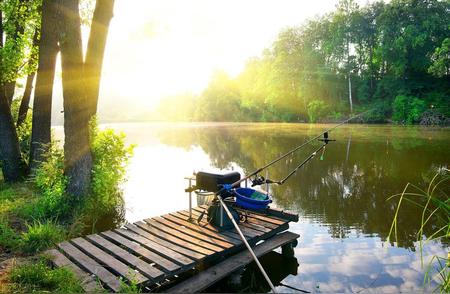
341, 200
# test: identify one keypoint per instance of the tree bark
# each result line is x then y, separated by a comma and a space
77, 153
96, 48
12, 164
42, 105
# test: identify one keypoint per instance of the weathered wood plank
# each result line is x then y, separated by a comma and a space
206, 278
114, 264
211, 236
60, 260
145, 268
283, 214
207, 225
155, 247
182, 232
262, 217
175, 247
146, 254
109, 279
157, 231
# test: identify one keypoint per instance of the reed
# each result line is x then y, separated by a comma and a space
435, 208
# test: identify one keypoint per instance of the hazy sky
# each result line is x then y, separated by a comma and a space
158, 48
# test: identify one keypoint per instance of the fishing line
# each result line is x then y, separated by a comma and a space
228, 187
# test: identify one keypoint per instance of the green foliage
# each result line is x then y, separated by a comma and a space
110, 158
38, 276
23, 131
9, 239
51, 182
20, 19
41, 235
407, 109
435, 205
316, 109
390, 49
441, 60
130, 287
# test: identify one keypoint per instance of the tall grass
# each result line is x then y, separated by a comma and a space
434, 203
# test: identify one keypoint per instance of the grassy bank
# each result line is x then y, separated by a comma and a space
36, 213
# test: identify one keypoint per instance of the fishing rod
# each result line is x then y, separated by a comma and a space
228, 187
323, 135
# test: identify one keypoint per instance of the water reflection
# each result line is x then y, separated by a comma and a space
345, 190
341, 199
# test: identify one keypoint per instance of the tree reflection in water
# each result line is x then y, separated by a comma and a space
349, 187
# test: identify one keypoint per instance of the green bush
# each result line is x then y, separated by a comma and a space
316, 110
110, 158
38, 276
51, 182
407, 109
41, 235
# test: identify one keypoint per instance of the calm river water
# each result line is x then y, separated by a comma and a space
344, 216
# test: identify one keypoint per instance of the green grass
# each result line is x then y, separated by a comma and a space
9, 238
41, 235
435, 206
39, 276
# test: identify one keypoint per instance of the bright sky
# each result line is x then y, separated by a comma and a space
158, 48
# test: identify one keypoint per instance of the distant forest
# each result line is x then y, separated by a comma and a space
391, 57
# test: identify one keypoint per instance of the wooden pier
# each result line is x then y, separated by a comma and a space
170, 252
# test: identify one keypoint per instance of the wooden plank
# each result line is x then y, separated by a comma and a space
145, 268
283, 214
245, 228
175, 247
155, 247
207, 228
108, 260
213, 236
158, 231
146, 254
208, 277
262, 217
60, 260
182, 232
91, 265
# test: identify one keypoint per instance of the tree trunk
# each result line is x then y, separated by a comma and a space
12, 164
77, 153
24, 104
42, 105
96, 48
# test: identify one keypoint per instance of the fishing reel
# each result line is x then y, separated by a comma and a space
260, 180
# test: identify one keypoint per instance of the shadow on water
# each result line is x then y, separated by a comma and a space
250, 279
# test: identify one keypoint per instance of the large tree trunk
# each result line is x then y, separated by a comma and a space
96, 48
12, 164
11, 160
77, 153
42, 105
